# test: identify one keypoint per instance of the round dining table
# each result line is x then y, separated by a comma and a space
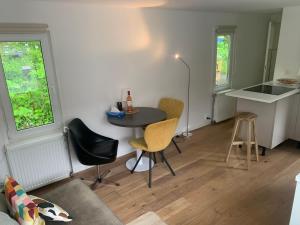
139, 120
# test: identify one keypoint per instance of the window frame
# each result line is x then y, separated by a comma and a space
224, 30
13, 133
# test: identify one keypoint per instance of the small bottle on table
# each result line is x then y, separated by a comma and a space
129, 103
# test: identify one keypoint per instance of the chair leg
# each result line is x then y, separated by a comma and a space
137, 162
99, 175
161, 158
98, 178
154, 158
178, 149
150, 169
165, 160
105, 181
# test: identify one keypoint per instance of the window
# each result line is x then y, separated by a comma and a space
223, 57
26, 81
28, 84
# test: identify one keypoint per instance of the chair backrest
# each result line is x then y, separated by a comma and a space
172, 107
79, 130
159, 135
91, 148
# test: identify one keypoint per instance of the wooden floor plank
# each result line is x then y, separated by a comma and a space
205, 189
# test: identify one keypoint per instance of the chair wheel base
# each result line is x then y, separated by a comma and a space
100, 179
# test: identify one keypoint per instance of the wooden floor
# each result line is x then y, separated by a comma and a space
207, 191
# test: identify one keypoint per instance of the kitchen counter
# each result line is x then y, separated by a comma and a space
263, 97
273, 103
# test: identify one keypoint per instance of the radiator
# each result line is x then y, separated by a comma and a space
223, 106
38, 162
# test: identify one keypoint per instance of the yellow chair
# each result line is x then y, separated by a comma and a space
156, 138
173, 108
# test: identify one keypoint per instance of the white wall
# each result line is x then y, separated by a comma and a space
288, 59
288, 56
100, 50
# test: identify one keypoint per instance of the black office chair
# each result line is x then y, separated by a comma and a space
92, 149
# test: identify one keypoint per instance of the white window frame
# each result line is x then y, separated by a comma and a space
13, 133
224, 30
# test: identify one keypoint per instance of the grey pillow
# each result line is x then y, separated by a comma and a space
3, 205
5, 219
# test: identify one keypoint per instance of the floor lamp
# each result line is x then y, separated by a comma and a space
186, 133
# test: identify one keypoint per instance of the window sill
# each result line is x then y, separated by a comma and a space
223, 91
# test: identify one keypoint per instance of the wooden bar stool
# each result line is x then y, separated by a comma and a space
249, 119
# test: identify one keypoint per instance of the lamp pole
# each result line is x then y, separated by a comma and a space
187, 133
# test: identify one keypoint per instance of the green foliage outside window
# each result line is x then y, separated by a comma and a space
26, 80
223, 59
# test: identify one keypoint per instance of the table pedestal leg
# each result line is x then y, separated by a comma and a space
144, 162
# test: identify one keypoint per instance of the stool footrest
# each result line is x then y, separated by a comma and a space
242, 142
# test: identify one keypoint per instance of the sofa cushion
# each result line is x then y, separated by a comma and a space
50, 211
20, 205
83, 205
3, 205
6, 220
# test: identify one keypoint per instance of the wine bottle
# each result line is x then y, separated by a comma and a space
129, 102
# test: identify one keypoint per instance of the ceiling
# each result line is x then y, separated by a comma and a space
232, 5
204, 5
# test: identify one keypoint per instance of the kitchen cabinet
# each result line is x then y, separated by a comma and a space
273, 121
278, 111
294, 129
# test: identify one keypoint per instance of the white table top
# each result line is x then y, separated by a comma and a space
261, 97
